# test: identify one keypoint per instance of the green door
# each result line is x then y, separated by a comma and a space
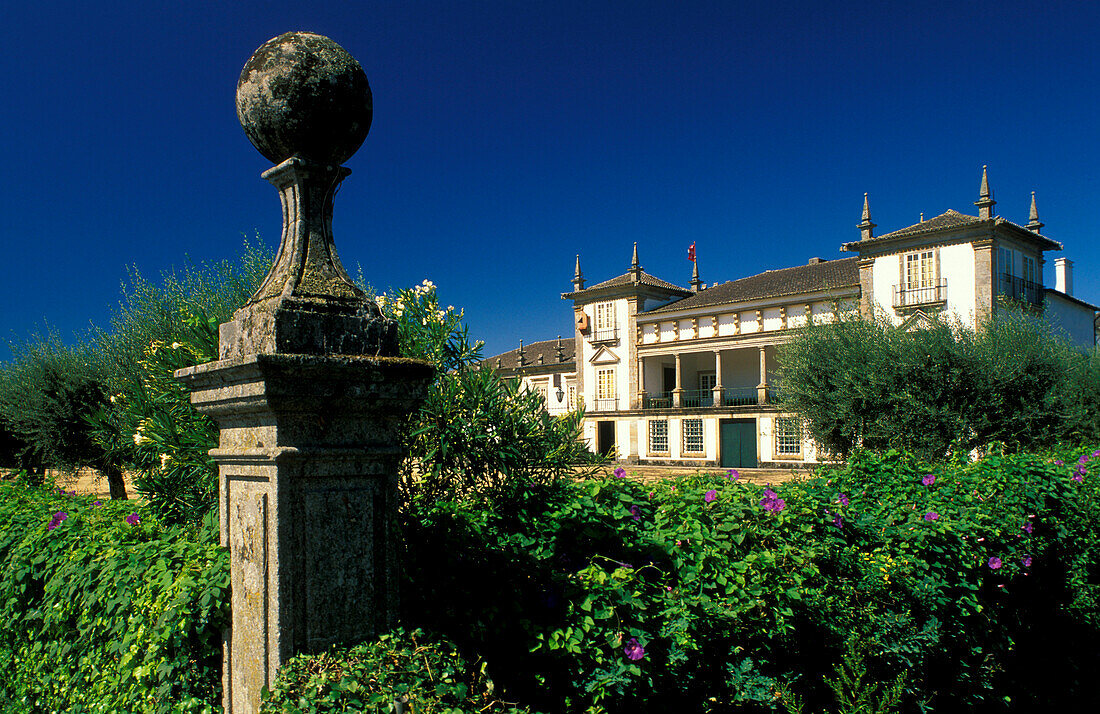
737, 439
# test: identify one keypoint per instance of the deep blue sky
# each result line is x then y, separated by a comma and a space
510, 136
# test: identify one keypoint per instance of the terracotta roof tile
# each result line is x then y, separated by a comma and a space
627, 279
548, 349
773, 283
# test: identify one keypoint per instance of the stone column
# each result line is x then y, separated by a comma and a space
762, 388
678, 392
641, 383
308, 393
718, 378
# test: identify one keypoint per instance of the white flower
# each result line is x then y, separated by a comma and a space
164, 459
177, 345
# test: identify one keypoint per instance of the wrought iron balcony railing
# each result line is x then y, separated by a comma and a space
739, 396
607, 334
910, 297
608, 404
1017, 288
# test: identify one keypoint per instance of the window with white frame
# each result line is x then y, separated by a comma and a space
658, 436
1031, 270
693, 435
788, 437
707, 380
920, 270
605, 328
605, 389
605, 315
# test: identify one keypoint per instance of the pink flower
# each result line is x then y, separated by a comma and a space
1026, 561
1028, 527
633, 650
710, 495
620, 472
732, 474
931, 516
929, 479
772, 502
994, 563
133, 519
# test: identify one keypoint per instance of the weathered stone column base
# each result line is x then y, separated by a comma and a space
307, 460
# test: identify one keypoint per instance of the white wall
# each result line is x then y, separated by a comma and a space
957, 266
1072, 318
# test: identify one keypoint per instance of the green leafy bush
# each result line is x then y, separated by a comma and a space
701, 594
476, 436
47, 393
104, 609
944, 388
413, 670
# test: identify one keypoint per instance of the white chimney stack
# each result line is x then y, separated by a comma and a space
1063, 275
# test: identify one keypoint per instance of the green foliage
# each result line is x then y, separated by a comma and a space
47, 392
476, 436
730, 605
150, 424
940, 389
424, 674
104, 616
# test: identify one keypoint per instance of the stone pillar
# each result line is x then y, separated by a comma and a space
678, 392
718, 378
762, 388
641, 383
866, 289
308, 393
984, 281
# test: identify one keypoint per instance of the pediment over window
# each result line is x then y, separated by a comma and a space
919, 320
604, 355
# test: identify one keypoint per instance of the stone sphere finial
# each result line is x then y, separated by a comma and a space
301, 94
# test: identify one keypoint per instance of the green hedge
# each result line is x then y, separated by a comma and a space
967, 586
106, 611
704, 594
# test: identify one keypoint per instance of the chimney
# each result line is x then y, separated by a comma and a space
815, 261
1063, 276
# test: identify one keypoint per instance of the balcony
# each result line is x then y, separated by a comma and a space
704, 398
914, 297
1021, 290
607, 334
608, 404
739, 397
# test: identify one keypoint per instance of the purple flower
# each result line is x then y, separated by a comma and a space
929, 479
1058, 462
931, 516
1079, 476
842, 499
56, 520
838, 521
994, 563
772, 502
1028, 527
732, 474
620, 472
633, 650
710, 495
636, 513
97, 503
1096, 454
1026, 561
133, 519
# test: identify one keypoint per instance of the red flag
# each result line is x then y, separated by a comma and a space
691, 252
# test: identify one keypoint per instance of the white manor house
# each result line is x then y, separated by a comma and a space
687, 376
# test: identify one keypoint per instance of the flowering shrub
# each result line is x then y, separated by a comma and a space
622, 597
106, 610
